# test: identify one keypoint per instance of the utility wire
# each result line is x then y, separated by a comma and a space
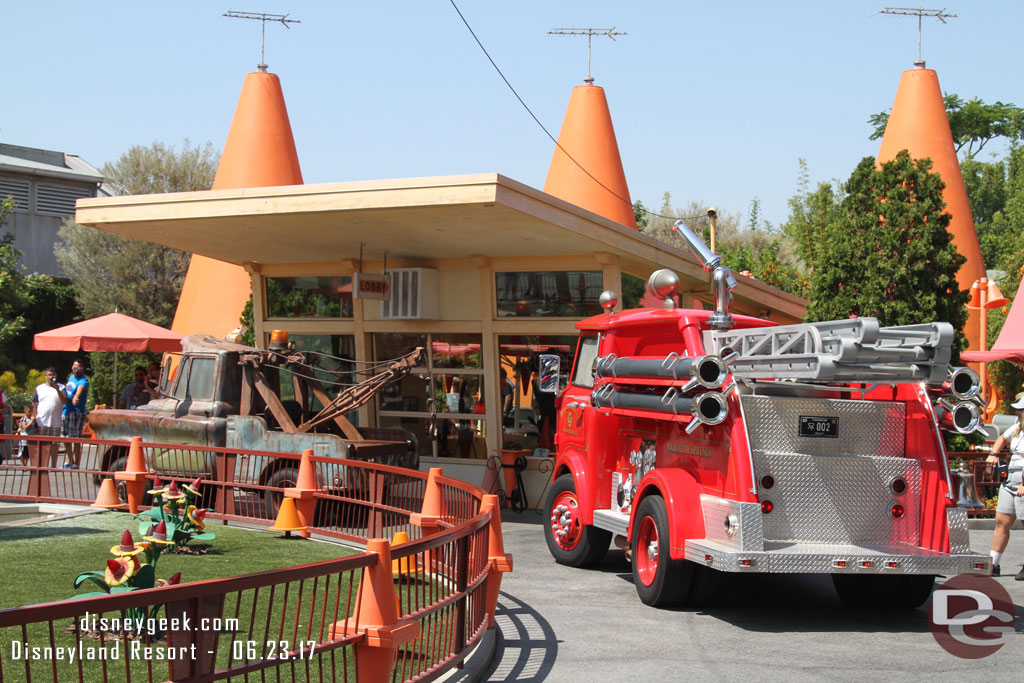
548, 133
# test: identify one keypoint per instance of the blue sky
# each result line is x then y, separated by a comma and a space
713, 102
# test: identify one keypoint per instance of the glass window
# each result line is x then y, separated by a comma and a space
309, 297
200, 379
528, 415
335, 367
451, 382
455, 351
388, 346
549, 294
586, 361
459, 393
181, 379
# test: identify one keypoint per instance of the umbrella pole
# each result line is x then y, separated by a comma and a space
113, 390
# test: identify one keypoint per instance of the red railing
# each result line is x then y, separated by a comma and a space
421, 605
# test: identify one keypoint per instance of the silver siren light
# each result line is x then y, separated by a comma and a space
608, 300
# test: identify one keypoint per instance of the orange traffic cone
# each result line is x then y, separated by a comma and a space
107, 496
259, 152
405, 565
134, 475
304, 491
287, 518
498, 560
379, 617
434, 508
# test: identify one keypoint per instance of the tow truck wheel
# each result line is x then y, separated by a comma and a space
660, 580
283, 478
569, 541
906, 591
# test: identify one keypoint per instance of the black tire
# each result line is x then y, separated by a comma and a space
660, 580
907, 591
582, 544
283, 477
706, 586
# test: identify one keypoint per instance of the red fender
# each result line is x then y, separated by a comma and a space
681, 493
575, 463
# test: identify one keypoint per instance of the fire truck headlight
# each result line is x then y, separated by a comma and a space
732, 524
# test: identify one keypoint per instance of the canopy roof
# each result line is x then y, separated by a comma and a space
111, 332
1010, 344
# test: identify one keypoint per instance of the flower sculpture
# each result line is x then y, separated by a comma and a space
128, 546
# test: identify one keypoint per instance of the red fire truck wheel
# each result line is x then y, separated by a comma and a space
569, 541
660, 580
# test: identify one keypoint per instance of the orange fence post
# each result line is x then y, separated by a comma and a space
498, 560
134, 475
434, 508
304, 491
378, 619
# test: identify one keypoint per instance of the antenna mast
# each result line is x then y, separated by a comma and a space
262, 17
920, 13
589, 33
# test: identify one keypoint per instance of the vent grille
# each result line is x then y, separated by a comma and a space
413, 295
18, 189
59, 200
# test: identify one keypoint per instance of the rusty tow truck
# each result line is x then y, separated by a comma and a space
229, 395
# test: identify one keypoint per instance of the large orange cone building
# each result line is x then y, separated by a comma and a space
918, 123
259, 152
589, 138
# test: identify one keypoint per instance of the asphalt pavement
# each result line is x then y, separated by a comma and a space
557, 623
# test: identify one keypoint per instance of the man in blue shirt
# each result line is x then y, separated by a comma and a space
77, 390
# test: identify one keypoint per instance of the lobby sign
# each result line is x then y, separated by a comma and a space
371, 286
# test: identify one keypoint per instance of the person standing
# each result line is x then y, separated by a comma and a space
1010, 505
47, 401
77, 391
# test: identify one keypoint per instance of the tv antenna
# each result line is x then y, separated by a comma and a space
264, 18
920, 13
589, 33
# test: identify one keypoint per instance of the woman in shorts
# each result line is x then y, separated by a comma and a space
1011, 493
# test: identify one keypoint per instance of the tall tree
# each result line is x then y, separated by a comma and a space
973, 123
810, 213
888, 254
111, 272
114, 272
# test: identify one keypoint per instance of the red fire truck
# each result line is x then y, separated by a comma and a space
706, 443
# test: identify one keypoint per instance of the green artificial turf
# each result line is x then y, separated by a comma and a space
39, 562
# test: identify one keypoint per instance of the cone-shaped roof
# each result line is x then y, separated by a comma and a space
259, 152
589, 137
918, 123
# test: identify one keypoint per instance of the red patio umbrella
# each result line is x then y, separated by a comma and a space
112, 332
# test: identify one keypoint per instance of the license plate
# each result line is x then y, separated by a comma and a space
821, 427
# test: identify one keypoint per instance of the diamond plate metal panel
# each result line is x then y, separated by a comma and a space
749, 535
865, 427
959, 536
839, 499
817, 558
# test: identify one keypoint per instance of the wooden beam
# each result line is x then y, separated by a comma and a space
273, 402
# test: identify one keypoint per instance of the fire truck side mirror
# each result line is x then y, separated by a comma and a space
547, 374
